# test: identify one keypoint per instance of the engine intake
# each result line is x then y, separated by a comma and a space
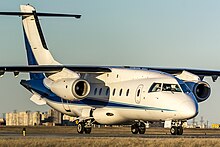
81, 88
201, 90
71, 89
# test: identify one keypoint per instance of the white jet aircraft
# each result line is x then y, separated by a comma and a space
108, 95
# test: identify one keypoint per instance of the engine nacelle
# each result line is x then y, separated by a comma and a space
200, 89
107, 116
71, 89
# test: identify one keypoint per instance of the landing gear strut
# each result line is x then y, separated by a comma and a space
84, 126
177, 128
138, 127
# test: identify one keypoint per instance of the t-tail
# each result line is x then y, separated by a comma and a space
35, 43
36, 47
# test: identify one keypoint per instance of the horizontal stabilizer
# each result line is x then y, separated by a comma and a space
37, 99
39, 14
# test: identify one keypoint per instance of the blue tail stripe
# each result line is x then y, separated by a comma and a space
30, 55
31, 59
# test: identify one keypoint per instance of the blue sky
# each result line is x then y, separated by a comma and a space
184, 33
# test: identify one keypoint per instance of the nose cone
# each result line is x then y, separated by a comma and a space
189, 109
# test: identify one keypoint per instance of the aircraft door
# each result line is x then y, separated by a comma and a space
66, 105
138, 94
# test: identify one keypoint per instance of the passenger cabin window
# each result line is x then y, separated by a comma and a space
107, 92
171, 87
100, 91
120, 93
127, 93
95, 91
113, 93
156, 87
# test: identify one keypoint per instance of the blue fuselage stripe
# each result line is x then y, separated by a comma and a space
38, 86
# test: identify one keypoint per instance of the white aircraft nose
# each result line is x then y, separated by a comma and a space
189, 109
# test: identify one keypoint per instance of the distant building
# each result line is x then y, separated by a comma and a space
50, 118
23, 118
56, 116
44, 116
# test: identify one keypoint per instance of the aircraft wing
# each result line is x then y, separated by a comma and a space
53, 69
102, 69
179, 70
200, 72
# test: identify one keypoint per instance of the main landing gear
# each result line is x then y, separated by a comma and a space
177, 128
84, 126
138, 127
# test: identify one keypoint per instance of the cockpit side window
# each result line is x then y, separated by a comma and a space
171, 87
156, 87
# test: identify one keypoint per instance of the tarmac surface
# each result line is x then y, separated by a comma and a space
108, 132
13, 135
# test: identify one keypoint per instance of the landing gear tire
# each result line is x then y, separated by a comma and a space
179, 130
80, 128
177, 127
87, 130
141, 128
134, 129
173, 130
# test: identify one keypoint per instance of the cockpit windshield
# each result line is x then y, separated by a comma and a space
171, 87
156, 87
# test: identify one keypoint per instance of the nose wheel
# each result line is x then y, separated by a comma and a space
138, 127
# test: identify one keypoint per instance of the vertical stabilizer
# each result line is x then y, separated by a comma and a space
36, 47
37, 51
